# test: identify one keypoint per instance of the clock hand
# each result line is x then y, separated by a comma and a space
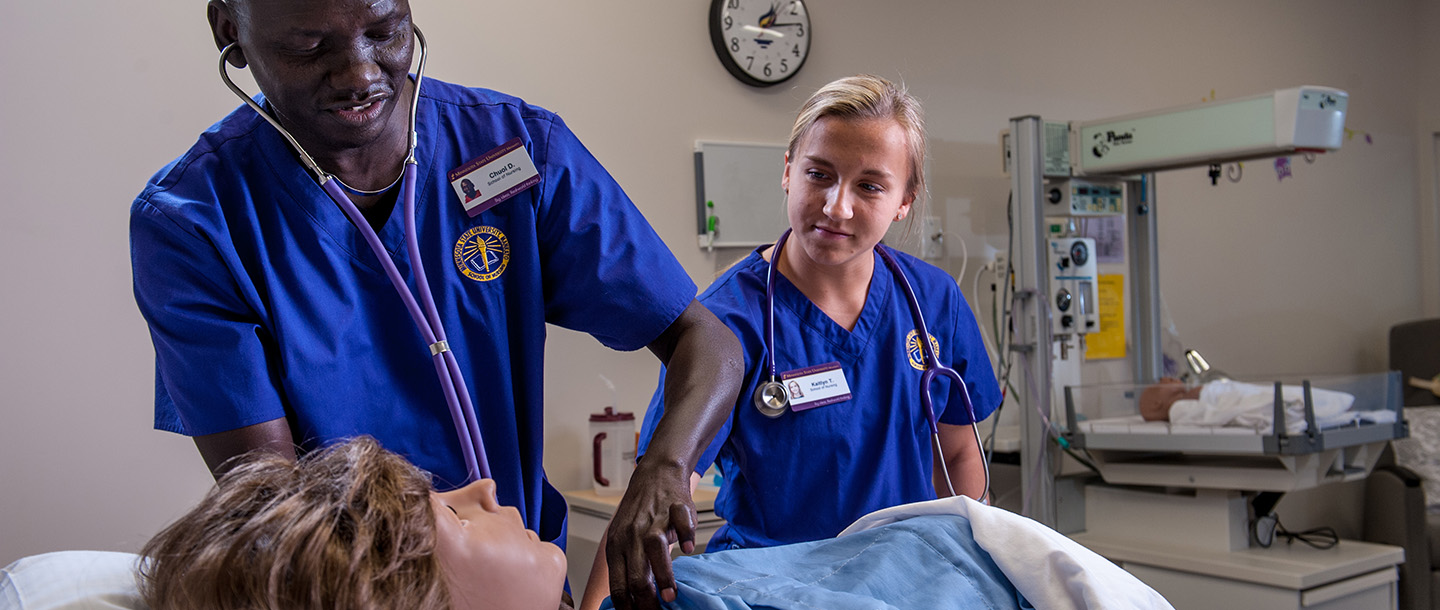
759, 31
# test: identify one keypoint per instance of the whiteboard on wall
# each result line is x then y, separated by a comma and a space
743, 183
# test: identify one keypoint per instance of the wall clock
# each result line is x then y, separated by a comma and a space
760, 42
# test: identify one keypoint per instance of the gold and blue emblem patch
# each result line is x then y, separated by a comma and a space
917, 355
482, 253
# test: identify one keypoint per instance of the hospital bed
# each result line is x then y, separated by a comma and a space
933, 546
1188, 508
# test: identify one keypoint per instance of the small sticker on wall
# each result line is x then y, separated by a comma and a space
1282, 168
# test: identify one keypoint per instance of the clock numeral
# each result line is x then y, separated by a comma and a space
795, 50
783, 66
767, 69
729, 21
732, 4
749, 62
795, 8
800, 30
735, 45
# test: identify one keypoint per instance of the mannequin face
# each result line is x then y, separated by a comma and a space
1156, 400
490, 560
847, 182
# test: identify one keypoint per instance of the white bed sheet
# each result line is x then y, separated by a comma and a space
1052, 572
71, 580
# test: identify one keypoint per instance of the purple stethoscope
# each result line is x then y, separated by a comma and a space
772, 399
452, 382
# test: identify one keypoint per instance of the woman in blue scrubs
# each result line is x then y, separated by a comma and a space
855, 165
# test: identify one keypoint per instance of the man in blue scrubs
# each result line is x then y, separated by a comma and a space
274, 326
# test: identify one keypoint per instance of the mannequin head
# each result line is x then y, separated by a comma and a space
350, 526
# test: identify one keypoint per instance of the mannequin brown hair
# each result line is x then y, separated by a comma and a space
350, 526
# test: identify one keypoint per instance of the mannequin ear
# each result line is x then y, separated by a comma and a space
226, 30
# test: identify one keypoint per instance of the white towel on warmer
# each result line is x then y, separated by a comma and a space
1231, 403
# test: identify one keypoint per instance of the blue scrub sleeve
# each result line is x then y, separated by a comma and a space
605, 270
212, 369
969, 358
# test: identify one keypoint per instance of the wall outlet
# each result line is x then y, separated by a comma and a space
932, 238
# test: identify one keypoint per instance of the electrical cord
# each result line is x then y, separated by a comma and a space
1268, 528
964, 250
975, 292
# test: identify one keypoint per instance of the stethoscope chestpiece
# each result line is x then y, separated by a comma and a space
771, 399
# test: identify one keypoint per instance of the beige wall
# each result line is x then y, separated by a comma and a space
1302, 275
1427, 155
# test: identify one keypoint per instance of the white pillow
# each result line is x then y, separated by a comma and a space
71, 580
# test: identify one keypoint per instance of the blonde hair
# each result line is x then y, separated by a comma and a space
867, 97
346, 527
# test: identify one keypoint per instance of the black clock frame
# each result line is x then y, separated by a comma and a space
717, 41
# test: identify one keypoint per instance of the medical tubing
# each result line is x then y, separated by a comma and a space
415, 98
421, 323
945, 468
427, 299
964, 256
770, 301
467, 431
990, 348
447, 369
305, 158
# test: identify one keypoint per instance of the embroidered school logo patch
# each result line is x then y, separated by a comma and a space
917, 355
482, 253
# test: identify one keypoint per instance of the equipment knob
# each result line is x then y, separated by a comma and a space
1055, 195
1079, 253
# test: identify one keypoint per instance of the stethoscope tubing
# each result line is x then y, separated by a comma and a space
770, 302
933, 368
423, 313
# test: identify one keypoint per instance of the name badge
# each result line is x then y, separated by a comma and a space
816, 386
487, 180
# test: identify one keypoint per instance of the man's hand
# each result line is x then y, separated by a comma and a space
702, 378
656, 511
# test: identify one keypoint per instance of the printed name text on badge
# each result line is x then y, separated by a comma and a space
485, 181
816, 386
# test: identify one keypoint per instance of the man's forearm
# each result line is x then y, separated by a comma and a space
703, 370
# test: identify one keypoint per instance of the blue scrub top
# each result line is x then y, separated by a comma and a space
808, 475
264, 302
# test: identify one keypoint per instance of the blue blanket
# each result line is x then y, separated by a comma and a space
927, 562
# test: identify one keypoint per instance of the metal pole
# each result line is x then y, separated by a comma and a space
1145, 279
1032, 320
